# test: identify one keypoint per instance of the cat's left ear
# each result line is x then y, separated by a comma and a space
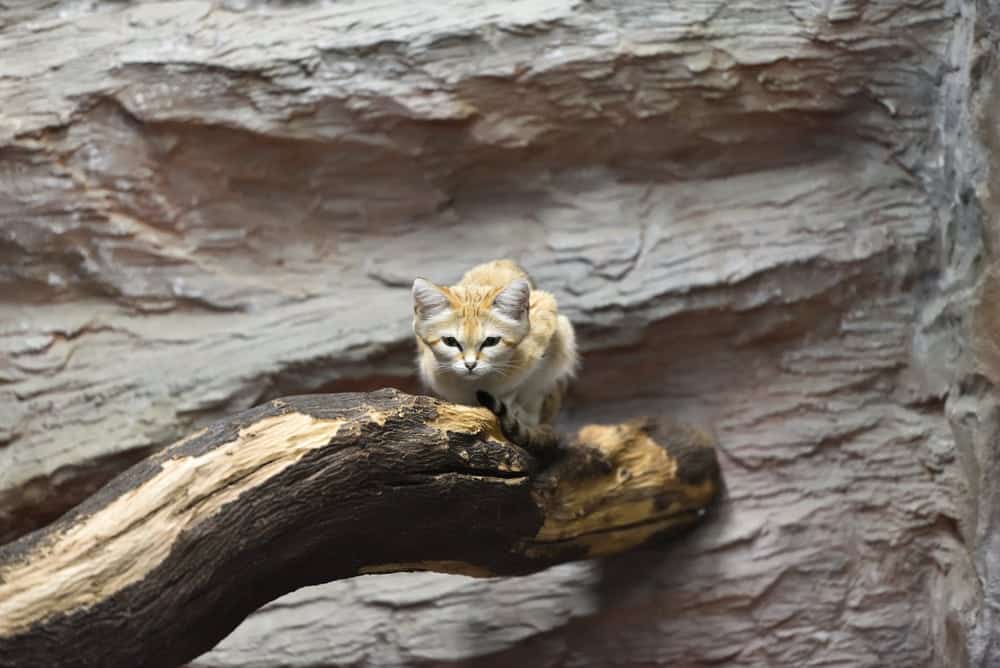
512, 301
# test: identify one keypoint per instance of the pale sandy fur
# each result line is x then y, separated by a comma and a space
539, 357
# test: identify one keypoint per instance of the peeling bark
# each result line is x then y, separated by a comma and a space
174, 553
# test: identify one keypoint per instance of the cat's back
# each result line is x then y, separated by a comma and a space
495, 274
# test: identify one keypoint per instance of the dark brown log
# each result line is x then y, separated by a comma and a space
169, 557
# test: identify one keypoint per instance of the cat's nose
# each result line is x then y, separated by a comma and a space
470, 365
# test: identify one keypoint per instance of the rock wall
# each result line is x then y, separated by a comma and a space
769, 217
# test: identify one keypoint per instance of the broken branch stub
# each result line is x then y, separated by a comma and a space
169, 557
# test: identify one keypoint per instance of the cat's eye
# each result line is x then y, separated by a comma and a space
451, 341
490, 341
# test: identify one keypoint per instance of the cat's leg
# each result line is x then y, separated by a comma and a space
552, 404
540, 440
543, 441
528, 412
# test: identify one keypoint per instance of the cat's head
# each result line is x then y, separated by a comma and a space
472, 330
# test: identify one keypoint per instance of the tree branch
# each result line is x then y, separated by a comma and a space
169, 557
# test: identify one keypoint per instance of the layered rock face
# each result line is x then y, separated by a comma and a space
765, 217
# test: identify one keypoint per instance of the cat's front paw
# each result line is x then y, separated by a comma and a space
542, 440
494, 405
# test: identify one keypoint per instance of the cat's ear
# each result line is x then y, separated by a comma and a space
428, 300
512, 301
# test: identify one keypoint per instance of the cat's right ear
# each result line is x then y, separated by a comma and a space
512, 301
428, 300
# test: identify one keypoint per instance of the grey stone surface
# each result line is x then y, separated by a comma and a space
407, 619
764, 216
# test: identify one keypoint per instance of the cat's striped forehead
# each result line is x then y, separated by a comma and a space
472, 310
471, 301
470, 314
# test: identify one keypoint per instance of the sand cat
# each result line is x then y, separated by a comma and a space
494, 332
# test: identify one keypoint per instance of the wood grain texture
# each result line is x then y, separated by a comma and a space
167, 559
767, 216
